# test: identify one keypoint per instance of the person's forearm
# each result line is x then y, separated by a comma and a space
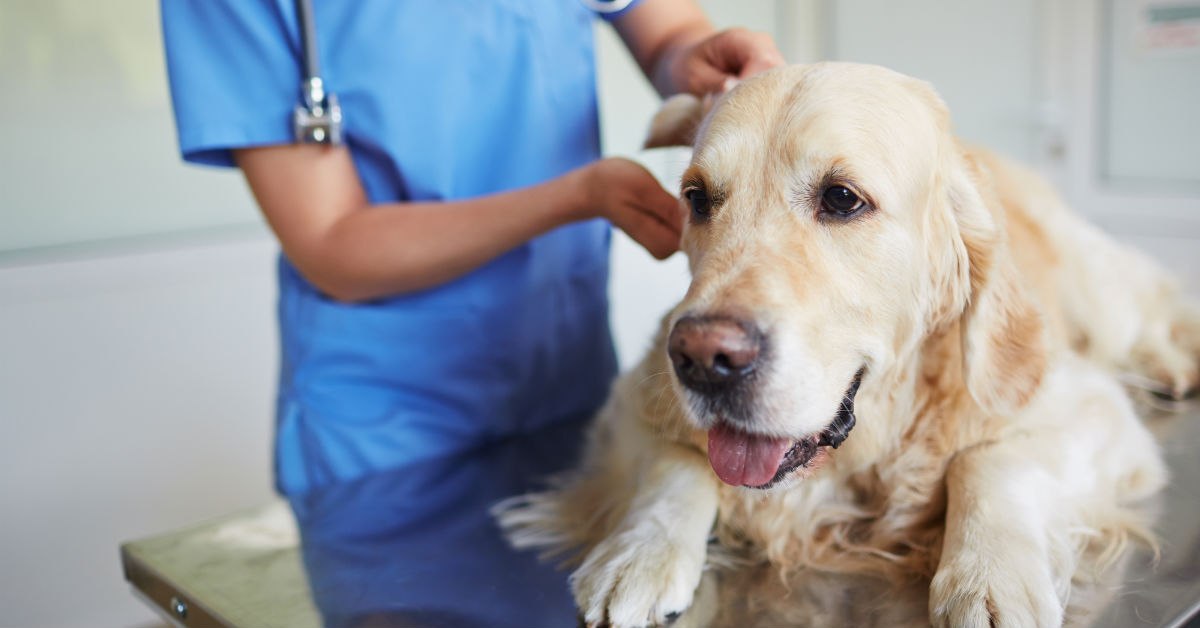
395, 248
354, 251
657, 32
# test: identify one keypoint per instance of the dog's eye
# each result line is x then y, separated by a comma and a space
699, 201
841, 201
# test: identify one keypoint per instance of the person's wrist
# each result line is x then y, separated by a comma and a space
671, 69
671, 77
672, 74
578, 193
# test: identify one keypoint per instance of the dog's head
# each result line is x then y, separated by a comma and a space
834, 224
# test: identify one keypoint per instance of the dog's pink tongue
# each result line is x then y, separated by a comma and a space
743, 459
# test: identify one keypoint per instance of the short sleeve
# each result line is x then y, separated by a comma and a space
611, 9
234, 74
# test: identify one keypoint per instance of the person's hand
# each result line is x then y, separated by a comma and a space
632, 200
718, 62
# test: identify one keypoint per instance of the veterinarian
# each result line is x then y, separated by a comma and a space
444, 272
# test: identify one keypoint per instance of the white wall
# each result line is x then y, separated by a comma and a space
84, 115
982, 57
1149, 129
136, 373
135, 398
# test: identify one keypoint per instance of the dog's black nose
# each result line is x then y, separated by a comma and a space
712, 354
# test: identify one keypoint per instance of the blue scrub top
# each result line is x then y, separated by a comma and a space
442, 100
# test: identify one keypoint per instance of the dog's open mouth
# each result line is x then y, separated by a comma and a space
758, 461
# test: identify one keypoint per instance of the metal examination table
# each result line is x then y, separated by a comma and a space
416, 547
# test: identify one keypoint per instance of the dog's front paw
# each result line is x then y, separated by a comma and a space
1012, 589
1171, 370
1167, 354
635, 579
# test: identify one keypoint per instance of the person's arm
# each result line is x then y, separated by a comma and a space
353, 251
679, 50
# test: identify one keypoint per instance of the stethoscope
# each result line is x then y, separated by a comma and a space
317, 118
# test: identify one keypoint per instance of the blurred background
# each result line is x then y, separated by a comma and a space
137, 337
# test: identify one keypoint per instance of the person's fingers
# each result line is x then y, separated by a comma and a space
753, 52
656, 223
656, 237
717, 63
666, 211
705, 77
760, 63
648, 232
742, 53
641, 208
658, 203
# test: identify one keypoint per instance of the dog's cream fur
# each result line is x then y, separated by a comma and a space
993, 443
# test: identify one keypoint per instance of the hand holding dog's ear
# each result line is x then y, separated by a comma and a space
718, 62
631, 198
702, 72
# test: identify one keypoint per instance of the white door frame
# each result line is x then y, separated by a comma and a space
1072, 82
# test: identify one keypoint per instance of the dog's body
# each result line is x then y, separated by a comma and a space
842, 242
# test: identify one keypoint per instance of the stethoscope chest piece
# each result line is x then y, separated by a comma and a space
317, 118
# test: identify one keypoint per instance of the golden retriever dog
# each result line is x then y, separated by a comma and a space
898, 356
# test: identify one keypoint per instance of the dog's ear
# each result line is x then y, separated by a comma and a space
677, 121
1004, 344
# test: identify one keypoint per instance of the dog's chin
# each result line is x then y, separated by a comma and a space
743, 458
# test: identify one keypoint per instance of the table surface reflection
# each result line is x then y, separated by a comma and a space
417, 547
